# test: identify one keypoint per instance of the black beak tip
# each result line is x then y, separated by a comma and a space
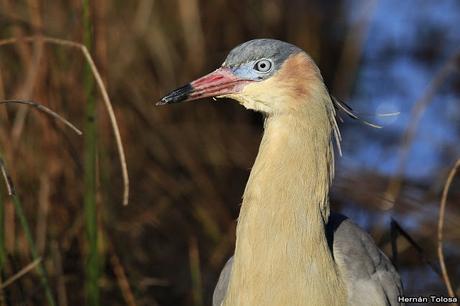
163, 101
176, 96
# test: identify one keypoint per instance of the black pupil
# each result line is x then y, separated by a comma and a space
263, 66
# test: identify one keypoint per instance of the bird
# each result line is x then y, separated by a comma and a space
290, 248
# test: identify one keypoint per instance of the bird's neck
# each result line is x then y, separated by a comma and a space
282, 255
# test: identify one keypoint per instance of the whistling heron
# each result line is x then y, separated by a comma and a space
290, 250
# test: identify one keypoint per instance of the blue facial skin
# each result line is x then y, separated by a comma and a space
248, 71
243, 59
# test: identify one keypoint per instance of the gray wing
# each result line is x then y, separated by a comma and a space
222, 284
369, 275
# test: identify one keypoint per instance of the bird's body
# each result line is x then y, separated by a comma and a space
371, 280
284, 253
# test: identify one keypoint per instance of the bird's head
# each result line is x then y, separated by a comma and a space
265, 75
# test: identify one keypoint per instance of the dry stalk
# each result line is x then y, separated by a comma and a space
21, 273
122, 279
60, 277
105, 96
396, 230
189, 13
42, 213
8, 181
27, 88
442, 210
45, 110
2, 86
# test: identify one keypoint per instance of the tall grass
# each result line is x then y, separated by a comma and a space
2, 239
33, 249
92, 264
28, 234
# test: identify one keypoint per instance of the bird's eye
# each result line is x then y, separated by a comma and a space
263, 65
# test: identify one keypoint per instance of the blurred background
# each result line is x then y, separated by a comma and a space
188, 164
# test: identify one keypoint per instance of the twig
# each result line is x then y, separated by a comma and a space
21, 273
45, 110
43, 209
398, 229
442, 210
93, 258
27, 233
105, 96
8, 181
122, 280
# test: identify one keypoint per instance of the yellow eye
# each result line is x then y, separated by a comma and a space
263, 65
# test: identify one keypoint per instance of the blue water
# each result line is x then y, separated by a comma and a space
407, 44
393, 76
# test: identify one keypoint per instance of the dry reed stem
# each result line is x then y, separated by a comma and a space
397, 229
43, 208
2, 86
442, 210
189, 13
21, 273
17, 31
143, 12
31, 61
8, 181
27, 88
105, 96
122, 280
10, 224
45, 110
23, 221
60, 277
73, 231
4, 118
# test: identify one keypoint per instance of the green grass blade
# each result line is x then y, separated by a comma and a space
2, 233
33, 250
92, 265
25, 227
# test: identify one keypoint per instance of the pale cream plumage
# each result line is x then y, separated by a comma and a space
289, 250
280, 232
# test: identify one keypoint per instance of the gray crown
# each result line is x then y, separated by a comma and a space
273, 49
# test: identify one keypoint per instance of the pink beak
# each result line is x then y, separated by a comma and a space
217, 83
